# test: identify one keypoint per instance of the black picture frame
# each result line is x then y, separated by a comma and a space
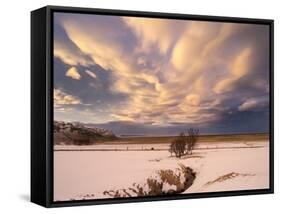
42, 104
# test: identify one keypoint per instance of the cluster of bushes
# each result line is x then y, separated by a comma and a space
184, 143
164, 182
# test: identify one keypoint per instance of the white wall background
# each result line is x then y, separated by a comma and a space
15, 105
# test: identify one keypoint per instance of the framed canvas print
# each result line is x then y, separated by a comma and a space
141, 106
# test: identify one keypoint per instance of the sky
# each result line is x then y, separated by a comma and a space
153, 76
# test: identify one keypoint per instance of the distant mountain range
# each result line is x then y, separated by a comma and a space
75, 133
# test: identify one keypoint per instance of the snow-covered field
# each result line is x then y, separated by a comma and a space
86, 172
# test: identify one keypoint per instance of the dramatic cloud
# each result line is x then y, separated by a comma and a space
148, 31
237, 69
92, 74
248, 105
166, 72
70, 55
62, 98
253, 104
73, 73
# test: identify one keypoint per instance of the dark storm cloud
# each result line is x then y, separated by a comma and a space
236, 122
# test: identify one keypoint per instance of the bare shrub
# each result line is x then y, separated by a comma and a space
164, 182
138, 190
170, 177
178, 146
192, 139
184, 143
154, 187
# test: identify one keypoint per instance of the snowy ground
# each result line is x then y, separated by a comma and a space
86, 172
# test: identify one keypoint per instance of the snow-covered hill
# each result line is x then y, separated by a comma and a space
78, 134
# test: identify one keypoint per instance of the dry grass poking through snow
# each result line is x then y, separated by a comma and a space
162, 183
228, 176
